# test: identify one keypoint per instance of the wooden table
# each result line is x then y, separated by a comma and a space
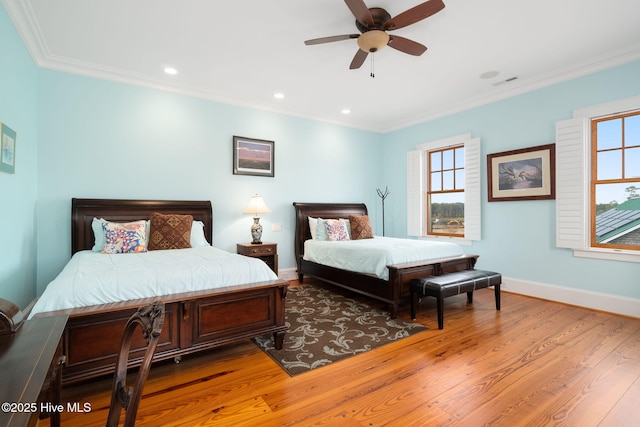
30, 362
268, 252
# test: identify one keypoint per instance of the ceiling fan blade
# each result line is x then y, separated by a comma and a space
331, 39
361, 12
405, 45
358, 60
415, 14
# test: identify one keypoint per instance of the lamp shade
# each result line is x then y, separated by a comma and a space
256, 206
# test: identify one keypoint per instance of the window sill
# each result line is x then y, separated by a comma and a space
457, 240
608, 254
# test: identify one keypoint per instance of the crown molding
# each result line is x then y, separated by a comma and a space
525, 85
24, 20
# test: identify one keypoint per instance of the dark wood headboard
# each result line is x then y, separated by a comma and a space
84, 210
320, 210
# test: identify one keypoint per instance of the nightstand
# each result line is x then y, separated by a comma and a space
268, 252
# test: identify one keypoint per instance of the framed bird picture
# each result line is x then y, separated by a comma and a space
524, 174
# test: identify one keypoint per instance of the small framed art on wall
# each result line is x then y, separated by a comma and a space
7, 149
253, 157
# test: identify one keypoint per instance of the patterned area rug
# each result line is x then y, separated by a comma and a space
324, 327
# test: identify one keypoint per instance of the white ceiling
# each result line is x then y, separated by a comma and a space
242, 52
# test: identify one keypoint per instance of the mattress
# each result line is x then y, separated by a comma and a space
91, 278
372, 256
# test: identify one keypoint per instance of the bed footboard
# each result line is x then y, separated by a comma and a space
92, 336
395, 291
401, 274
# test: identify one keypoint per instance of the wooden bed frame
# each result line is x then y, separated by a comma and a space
194, 321
394, 291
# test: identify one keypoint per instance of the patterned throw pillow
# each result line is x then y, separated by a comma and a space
360, 227
336, 230
122, 238
169, 231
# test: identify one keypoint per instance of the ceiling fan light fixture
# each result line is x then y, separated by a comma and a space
373, 40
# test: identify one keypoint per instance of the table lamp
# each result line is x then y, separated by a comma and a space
256, 207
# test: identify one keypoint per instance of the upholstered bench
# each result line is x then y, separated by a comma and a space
449, 284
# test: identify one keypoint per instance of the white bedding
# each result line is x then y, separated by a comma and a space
91, 278
371, 256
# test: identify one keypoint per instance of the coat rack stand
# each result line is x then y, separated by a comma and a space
383, 195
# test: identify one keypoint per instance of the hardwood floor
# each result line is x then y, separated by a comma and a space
534, 363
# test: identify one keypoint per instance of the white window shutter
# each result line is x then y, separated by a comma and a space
415, 202
572, 148
472, 190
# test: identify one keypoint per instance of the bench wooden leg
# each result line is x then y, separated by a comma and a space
470, 297
496, 289
440, 307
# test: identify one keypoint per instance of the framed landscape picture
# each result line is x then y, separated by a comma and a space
253, 157
7, 149
525, 174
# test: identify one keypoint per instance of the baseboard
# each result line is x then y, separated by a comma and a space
625, 306
288, 273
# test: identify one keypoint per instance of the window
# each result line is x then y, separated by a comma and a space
615, 181
597, 181
445, 192
443, 189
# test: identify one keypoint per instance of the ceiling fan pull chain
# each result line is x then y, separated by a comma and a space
372, 74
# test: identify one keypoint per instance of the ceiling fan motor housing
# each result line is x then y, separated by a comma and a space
374, 38
379, 15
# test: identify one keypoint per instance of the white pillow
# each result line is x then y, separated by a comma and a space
197, 237
98, 234
313, 226
321, 230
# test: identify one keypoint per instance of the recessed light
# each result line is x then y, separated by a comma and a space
170, 70
278, 95
346, 111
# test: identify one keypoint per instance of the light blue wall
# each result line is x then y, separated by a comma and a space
18, 192
518, 238
107, 140
82, 137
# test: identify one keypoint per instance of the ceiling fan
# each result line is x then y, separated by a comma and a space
373, 24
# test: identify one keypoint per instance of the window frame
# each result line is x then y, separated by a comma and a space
594, 182
573, 181
430, 191
417, 183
